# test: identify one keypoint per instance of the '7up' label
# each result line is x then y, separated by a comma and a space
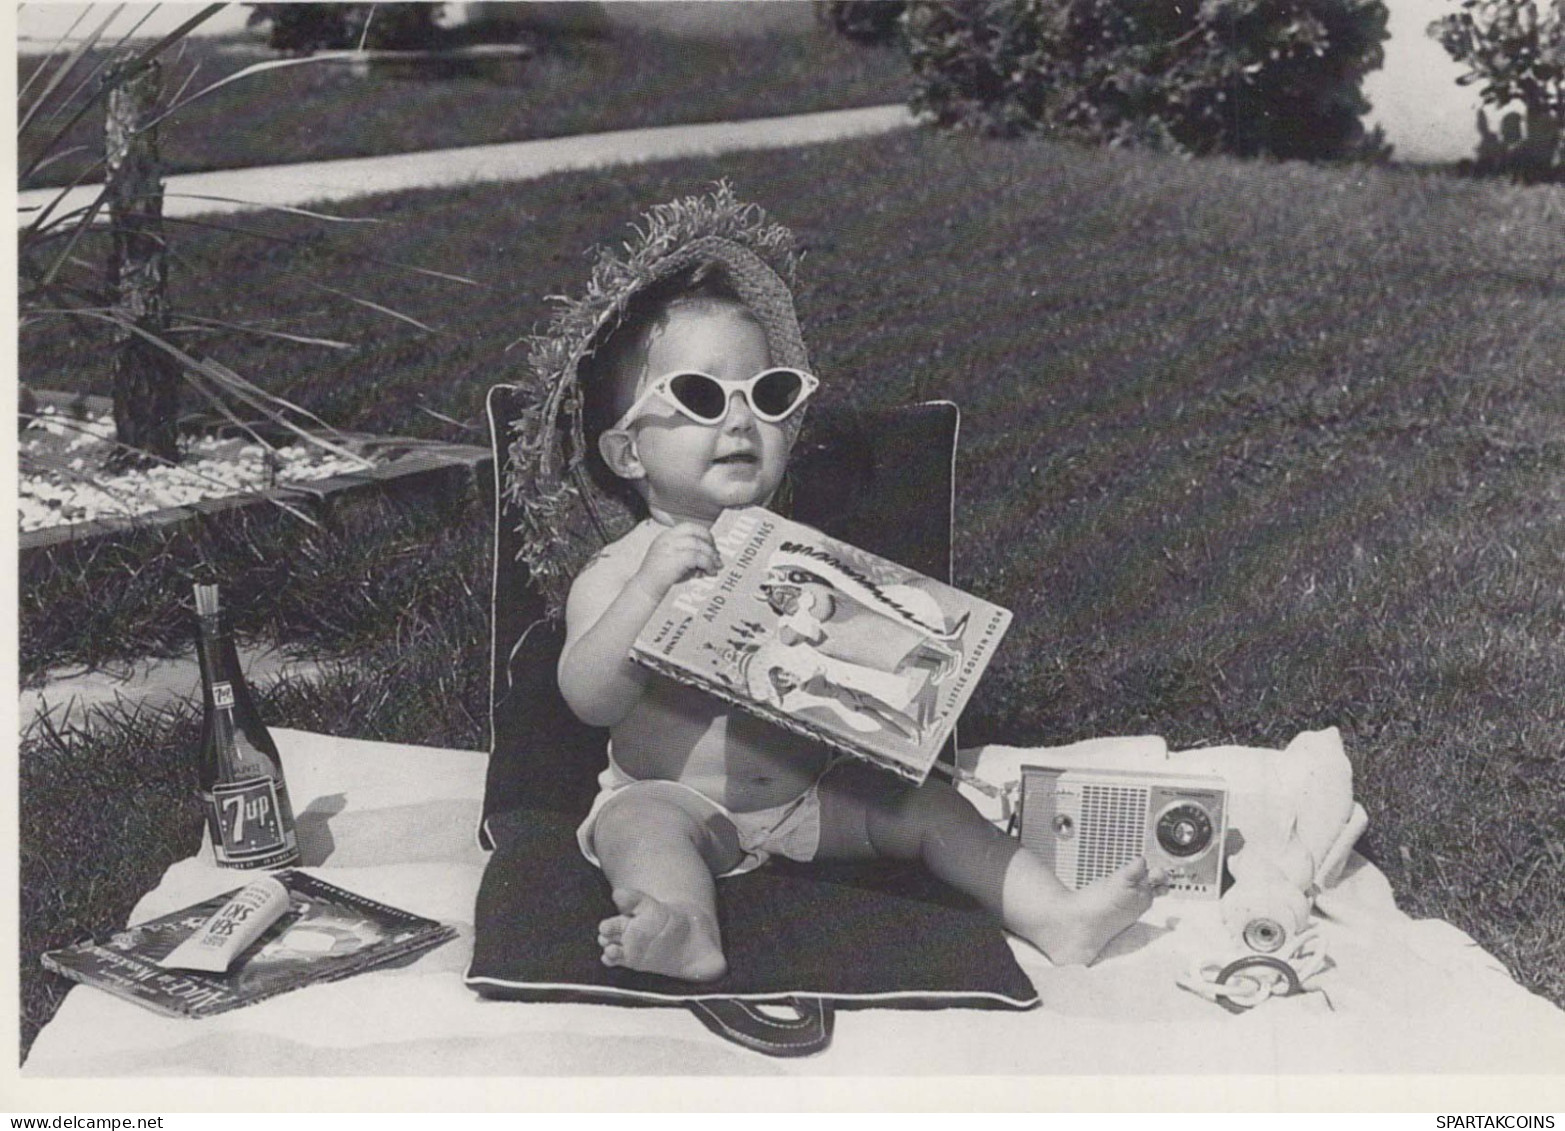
247, 824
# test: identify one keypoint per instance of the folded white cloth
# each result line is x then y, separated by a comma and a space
397, 823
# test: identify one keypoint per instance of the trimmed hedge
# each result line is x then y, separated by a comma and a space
1247, 77
307, 28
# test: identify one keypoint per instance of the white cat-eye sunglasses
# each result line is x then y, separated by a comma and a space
772, 394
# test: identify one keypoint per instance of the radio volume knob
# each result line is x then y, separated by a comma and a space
1184, 829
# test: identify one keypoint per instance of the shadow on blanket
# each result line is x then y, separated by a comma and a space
813, 936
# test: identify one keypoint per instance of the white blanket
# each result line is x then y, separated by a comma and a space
397, 823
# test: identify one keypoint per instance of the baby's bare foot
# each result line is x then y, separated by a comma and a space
661, 938
1084, 921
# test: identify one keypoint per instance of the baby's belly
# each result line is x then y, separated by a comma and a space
679, 734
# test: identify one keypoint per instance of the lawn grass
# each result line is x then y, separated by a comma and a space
631, 78
400, 594
1248, 448
322, 589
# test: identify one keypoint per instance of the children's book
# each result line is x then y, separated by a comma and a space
826, 640
326, 933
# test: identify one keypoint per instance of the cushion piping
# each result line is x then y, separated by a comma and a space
581, 992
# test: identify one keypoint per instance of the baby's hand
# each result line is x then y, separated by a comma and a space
674, 555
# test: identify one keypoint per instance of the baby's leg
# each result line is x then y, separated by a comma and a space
866, 814
660, 851
1073, 927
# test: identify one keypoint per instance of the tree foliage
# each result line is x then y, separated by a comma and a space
1514, 51
1248, 77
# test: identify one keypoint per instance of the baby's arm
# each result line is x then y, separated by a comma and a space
608, 607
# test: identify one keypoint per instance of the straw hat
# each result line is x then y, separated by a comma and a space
563, 517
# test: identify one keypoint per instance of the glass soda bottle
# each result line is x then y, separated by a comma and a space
242, 788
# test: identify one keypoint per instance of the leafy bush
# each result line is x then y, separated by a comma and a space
1248, 77
302, 28
1517, 54
866, 21
305, 28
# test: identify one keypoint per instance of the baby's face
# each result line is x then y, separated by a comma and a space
693, 472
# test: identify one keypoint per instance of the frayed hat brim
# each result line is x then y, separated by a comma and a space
563, 517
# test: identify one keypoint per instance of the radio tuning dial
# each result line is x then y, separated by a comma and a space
1184, 829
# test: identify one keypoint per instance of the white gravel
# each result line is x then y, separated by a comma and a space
62, 480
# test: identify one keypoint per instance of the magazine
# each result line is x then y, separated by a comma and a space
827, 640
327, 933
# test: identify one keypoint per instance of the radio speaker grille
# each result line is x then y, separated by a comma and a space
1112, 829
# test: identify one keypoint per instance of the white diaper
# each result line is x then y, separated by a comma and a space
792, 830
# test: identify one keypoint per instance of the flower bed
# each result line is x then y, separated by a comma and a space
68, 491
65, 476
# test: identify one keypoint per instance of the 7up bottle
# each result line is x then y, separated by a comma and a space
242, 786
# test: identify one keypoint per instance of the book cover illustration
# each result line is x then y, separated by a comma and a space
827, 640
327, 933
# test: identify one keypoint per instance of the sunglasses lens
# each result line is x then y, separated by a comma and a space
777, 393
704, 397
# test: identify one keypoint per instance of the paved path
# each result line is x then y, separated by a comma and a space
74, 698
330, 181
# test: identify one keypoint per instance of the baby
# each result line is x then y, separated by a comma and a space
694, 790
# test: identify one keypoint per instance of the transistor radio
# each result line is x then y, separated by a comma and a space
1085, 823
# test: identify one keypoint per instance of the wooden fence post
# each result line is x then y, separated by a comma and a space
145, 378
